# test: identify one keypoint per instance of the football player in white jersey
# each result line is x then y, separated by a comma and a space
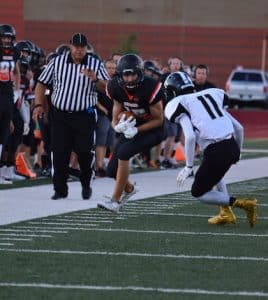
205, 121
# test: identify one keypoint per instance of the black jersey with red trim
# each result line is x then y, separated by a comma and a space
148, 93
8, 59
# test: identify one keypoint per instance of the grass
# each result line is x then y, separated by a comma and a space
156, 248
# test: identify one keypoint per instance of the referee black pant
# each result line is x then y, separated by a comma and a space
72, 131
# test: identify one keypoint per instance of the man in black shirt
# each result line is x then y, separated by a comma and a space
201, 82
142, 96
74, 76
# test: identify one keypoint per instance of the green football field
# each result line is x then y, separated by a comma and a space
156, 248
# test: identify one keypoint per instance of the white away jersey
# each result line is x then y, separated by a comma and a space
206, 112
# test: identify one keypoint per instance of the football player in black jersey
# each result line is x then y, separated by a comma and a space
132, 91
9, 79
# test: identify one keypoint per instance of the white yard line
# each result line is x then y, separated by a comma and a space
157, 231
134, 288
133, 254
30, 230
14, 239
61, 223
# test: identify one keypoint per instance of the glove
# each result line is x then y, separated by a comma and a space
123, 124
26, 129
17, 95
130, 132
183, 174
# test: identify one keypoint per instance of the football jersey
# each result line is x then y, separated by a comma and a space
8, 58
148, 93
206, 112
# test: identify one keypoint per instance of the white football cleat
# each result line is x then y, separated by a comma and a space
111, 205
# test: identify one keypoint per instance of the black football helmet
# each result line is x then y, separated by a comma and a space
9, 31
178, 83
130, 64
23, 46
150, 66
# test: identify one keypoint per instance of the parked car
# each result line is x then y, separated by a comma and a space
247, 87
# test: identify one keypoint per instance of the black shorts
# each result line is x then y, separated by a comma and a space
217, 160
124, 148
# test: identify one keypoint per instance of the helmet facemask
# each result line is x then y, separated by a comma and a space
131, 85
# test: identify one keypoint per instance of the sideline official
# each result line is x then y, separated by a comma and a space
74, 77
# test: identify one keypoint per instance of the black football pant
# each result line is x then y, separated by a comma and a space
217, 160
125, 148
72, 132
6, 109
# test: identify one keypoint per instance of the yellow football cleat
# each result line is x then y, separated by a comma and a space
226, 216
250, 207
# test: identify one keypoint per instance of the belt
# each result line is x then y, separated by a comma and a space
228, 137
89, 111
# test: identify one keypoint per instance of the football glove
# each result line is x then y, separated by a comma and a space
124, 124
183, 174
130, 132
26, 129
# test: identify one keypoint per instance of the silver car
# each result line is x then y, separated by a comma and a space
247, 86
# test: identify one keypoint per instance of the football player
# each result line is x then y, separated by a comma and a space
219, 135
132, 91
9, 84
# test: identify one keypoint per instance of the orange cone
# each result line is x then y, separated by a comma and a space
179, 154
22, 167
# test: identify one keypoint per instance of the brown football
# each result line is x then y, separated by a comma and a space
127, 114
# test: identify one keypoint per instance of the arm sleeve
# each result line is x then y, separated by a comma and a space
25, 112
238, 130
189, 139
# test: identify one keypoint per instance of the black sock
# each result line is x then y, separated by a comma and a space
232, 200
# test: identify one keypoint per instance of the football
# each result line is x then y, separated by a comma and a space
127, 114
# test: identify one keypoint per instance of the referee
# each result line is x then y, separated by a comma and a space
74, 76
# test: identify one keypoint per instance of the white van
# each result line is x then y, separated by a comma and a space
247, 87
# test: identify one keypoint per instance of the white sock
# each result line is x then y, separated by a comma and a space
215, 197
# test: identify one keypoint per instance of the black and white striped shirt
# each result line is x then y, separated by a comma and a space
72, 91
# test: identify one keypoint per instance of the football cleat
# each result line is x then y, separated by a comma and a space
111, 205
4, 181
10, 174
226, 216
125, 196
250, 207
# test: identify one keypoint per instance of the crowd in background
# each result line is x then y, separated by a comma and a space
26, 152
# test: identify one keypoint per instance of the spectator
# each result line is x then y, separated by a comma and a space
74, 77
200, 76
172, 131
105, 131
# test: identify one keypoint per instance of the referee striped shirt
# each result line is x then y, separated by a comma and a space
72, 91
